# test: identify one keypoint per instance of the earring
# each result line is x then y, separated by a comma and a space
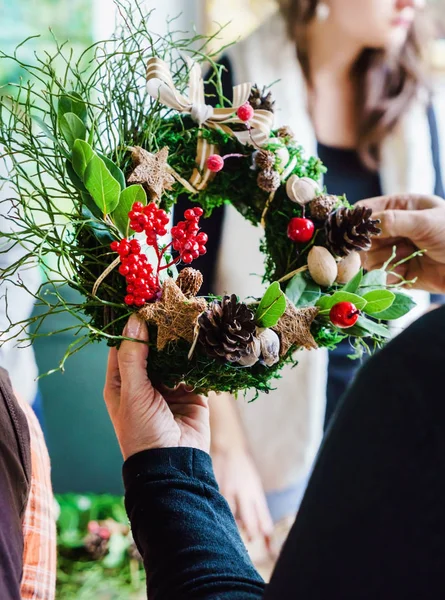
322, 11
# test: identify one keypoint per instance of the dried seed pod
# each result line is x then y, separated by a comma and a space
348, 267
301, 189
268, 180
270, 346
253, 354
322, 266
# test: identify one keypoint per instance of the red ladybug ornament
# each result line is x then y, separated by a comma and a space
300, 230
344, 315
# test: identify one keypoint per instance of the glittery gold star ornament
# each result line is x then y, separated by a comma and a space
175, 315
151, 171
294, 328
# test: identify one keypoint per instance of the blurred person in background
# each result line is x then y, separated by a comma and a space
351, 83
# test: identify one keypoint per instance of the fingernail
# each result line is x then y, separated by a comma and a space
133, 327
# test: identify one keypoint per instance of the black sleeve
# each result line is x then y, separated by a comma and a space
15, 472
184, 529
212, 225
372, 522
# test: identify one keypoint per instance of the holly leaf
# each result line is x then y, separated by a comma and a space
374, 280
72, 128
353, 285
134, 193
378, 301
114, 170
401, 306
326, 302
102, 186
81, 155
271, 307
302, 292
72, 103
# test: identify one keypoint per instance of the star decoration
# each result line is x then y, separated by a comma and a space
175, 315
294, 328
151, 171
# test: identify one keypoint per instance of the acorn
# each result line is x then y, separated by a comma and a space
270, 346
322, 266
301, 189
348, 267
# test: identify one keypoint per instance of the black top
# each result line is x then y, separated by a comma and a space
371, 524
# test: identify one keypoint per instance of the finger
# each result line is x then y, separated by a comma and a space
264, 519
401, 223
132, 356
375, 258
248, 518
112, 382
400, 202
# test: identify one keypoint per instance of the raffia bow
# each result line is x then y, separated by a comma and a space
161, 87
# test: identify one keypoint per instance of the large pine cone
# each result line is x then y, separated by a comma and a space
350, 229
259, 99
226, 329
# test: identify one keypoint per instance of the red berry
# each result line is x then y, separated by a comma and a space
114, 246
135, 246
139, 301
300, 230
140, 282
143, 220
136, 227
198, 211
129, 299
130, 289
137, 206
124, 248
344, 314
124, 270
202, 238
131, 278
245, 112
187, 257
189, 214
215, 163
181, 225
133, 215
202, 250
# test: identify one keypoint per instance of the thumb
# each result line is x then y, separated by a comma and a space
400, 223
132, 356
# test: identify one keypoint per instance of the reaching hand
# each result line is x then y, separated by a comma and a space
142, 417
410, 222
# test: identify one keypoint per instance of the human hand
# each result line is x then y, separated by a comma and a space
240, 485
410, 222
142, 417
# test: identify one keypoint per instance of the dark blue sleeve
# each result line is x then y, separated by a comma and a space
184, 529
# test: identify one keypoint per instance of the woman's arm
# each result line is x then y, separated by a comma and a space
235, 470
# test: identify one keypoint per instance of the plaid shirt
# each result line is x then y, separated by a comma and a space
39, 524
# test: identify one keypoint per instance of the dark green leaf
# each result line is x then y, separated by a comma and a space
134, 193
401, 306
377, 301
353, 285
296, 287
98, 227
327, 302
114, 170
81, 155
72, 103
374, 280
102, 186
271, 307
72, 128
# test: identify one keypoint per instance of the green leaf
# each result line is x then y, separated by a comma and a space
72, 128
327, 302
103, 187
374, 280
353, 285
134, 193
377, 301
114, 170
78, 183
271, 307
302, 292
367, 328
72, 103
401, 306
81, 155
44, 127
98, 227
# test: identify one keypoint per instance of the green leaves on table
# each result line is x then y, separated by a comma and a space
271, 307
134, 193
302, 291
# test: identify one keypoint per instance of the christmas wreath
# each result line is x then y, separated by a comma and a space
100, 158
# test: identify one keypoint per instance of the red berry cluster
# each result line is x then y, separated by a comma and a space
187, 240
142, 285
150, 219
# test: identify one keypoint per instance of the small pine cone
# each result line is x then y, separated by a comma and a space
322, 207
189, 282
261, 100
96, 546
285, 132
268, 180
227, 329
265, 159
349, 229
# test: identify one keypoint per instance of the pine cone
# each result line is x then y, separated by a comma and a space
349, 229
226, 329
265, 159
189, 282
259, 99
96, 546
322, 207
285, 132
268, 180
